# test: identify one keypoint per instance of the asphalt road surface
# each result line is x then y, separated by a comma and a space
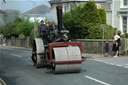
16, 69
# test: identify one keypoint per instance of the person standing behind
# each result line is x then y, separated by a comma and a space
42, 29
106, 48
117, 44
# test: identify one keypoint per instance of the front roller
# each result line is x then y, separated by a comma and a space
38, 52
67, 59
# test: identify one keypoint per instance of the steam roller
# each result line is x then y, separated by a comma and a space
57, 52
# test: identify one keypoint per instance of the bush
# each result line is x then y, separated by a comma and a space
109, 32
83, 21
124, 35
17, 27
72, 21
102, 13
90, 13
25, 27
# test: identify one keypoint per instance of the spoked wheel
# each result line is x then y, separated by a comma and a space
37, 53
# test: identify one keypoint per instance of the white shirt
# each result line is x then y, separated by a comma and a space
116, 37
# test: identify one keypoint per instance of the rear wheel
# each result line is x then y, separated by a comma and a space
37, 58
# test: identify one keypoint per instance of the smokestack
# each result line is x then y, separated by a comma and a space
59, 17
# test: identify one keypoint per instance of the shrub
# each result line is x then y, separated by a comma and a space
102, 13
83, 21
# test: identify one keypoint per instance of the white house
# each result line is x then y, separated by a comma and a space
116, 10
120, 15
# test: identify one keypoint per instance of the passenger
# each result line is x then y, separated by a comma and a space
51, 33
42, 29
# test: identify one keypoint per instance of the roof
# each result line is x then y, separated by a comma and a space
64, 1
41, 9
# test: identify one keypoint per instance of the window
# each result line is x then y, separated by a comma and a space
65, 8
125, 3
124, 23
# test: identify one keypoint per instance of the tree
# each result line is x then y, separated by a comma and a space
17, 27
84, 21
90, 13
72, 21
91, 22
25, 27
102, 13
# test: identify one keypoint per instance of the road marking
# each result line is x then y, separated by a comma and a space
111, 64
2, 82
118, 65
16, 55
125, 66
101, 82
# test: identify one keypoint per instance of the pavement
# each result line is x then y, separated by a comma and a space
16, 69
121, 61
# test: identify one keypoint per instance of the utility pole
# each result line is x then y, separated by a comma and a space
102, 38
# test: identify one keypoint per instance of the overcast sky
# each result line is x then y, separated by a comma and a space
22, 5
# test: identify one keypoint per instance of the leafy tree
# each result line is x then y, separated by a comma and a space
9, 30
109, 32
72, 21
25, 27
17, 28
84, 21
102, 13
90, 13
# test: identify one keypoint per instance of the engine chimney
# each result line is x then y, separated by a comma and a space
59, 17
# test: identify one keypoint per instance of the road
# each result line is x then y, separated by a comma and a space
16, 69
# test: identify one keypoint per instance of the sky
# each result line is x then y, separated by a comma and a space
22, 5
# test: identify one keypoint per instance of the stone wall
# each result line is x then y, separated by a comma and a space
88, 45
17, 42
95, 46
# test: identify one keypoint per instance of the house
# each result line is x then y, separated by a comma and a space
120, 15
8, 16
116, 10
38, 13
68, 4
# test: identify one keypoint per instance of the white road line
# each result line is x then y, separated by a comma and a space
125, 66
2, 82
117, 65
101, 82
16, 55
111, 64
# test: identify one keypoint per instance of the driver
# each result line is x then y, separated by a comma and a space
42, 29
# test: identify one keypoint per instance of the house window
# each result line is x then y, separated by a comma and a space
124, 23
125, 3
65, 8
